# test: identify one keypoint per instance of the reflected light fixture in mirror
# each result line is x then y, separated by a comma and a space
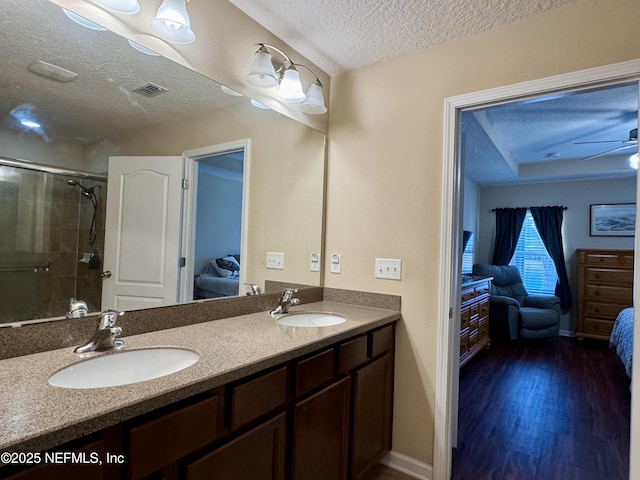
263, 73
126, 7
172, 22
633, 161
80, 20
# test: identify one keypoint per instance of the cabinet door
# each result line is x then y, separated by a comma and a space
372, 410
257, 455
321, 434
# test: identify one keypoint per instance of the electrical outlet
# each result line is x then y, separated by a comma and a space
315, 262
275, 260
389, 268
336, 262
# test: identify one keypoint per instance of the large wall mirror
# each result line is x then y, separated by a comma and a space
96, 97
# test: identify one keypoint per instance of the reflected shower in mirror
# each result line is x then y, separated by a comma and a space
93, 97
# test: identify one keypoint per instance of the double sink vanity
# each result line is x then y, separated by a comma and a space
248, 396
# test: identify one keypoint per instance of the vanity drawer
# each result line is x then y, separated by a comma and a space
382, 341
314, 371
352, 354
256, 397
164, 440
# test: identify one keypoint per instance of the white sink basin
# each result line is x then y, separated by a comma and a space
123, 368
311, 319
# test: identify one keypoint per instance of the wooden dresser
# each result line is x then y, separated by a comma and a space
474, 317
605, 287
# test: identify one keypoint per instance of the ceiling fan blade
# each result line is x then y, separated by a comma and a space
608, 151
607, 141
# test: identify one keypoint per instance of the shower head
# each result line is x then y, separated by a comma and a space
86, 192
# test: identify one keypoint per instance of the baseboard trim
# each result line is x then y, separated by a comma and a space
408, 465
567, 333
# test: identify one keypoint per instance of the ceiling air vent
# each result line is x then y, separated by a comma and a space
150, 90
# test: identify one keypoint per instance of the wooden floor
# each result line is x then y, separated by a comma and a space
555, 409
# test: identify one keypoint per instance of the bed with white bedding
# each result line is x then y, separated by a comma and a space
220, 278
622, 338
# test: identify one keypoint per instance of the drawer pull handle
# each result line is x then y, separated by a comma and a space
597, 275
597, 310
597, 293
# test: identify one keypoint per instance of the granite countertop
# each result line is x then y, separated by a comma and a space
35, 416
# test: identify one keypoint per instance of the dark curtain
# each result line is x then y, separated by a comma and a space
548, 221
508, 226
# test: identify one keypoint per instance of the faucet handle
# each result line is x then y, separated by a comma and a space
108, 318
288, 294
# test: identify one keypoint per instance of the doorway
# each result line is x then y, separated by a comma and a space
451, 228
216, 211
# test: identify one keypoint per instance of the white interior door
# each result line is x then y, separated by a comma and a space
143, 232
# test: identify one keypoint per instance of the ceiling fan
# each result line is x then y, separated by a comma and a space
632, 142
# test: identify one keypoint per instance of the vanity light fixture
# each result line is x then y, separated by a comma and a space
633, 161
143, 49
126, 7
172, 22
263, 73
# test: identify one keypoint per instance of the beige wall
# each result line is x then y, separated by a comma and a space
286, 185
385, 167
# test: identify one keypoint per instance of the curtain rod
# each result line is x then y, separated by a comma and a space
494, 209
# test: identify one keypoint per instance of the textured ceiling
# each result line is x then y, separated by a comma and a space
340, 35
100, 103
541, 138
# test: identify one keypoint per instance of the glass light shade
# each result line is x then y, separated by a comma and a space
143, 49
128, 7
262, 73
314, 104
80, 20
633, 161
257, 104
290, 89
172, 22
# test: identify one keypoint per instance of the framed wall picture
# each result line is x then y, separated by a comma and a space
613, 220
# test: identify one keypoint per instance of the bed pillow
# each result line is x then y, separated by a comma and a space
227, 267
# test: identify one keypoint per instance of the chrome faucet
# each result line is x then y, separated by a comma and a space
286, 301
255, 289
105, 336
77, 308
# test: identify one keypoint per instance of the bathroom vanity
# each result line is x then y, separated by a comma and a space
264, 401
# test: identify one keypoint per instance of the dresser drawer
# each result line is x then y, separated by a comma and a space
603, 275
609, 259
483, 328
598, 326
464, 342
473, 339
465, 316
483, 308
605, 310
609, 293
256, 397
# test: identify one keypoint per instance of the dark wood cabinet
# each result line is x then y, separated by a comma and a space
372, 409
257, 455
474, 317
320, 445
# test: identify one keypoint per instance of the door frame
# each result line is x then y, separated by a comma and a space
450, 234
191, 158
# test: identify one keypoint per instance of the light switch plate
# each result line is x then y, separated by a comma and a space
315, 262
336, 263
275, 260
389, 268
